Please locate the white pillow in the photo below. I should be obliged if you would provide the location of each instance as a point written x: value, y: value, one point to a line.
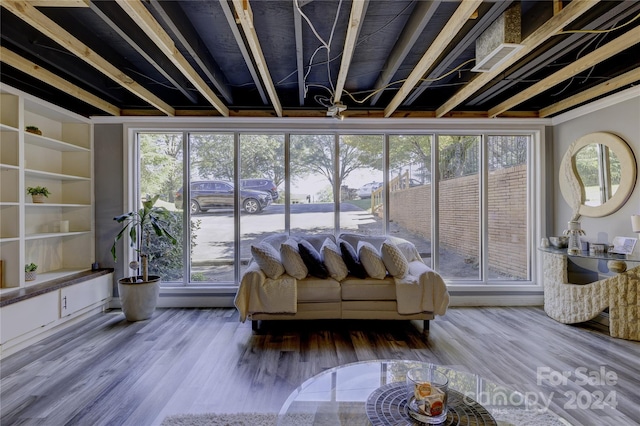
x: 371, y: 260
x: 291, y: 259
x: 394, y: 260
x: 332, y: 257
x: 268, y: 259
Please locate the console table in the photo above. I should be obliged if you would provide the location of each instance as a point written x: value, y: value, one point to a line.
x: 573, y: 303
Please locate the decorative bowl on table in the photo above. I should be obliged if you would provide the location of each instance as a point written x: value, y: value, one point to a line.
x: 559, y: 242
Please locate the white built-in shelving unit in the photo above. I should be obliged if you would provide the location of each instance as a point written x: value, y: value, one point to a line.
x: 60, y: 159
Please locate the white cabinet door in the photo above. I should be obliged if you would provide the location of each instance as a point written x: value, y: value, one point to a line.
x: 79, y: 296
x: 22, y: 317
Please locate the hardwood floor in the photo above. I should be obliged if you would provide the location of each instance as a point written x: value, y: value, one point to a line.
x: 107, y: 371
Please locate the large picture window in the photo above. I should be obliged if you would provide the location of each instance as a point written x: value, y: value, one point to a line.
x: 462, y: 199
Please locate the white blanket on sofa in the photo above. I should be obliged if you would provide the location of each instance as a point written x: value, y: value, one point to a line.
x: 258, y: 293
x: 423, y: 290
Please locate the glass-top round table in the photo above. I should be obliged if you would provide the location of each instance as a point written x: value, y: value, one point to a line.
x: 372, y: 393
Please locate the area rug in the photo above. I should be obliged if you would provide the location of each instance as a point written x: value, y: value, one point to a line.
x: 213, y: 419
x: 507, y: 417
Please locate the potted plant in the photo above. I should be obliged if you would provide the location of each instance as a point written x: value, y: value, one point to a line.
x: 33, y: 129
x: 30, y: 271
x: 38, y: 193
x: 139, y: 294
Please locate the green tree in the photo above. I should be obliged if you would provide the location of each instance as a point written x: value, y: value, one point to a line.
x: 160, y: 164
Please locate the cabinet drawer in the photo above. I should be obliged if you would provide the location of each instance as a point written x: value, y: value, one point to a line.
x: 22, y: 317
x: 77, y: 297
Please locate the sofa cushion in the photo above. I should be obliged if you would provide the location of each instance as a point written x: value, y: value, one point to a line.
x: 350, y: 257
x: 371, y: 260
x: 394, y: 260
x: 291, y: 259
x: 332, y: 257
x: 312, y: 259
x: 268, y: 258
x: 312, y: 289
x: 368, y: 289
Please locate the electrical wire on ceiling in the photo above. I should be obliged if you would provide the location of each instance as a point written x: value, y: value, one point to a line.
x: 599, y: 31
x: 324, y: 44
x: 374, y: 92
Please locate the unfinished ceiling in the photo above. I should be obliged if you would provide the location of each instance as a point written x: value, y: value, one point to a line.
x: 365, y: 58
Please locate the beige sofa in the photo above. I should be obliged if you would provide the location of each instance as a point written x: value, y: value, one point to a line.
x: 420, y: 295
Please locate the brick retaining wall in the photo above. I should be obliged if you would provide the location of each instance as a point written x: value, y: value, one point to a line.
x: 459, y: 217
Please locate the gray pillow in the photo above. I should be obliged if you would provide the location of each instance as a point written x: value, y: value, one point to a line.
x: 371, y: 260
x: 394, y: 260
x: 332, y: 257
x: 291, y: 259
x: 268, y: 259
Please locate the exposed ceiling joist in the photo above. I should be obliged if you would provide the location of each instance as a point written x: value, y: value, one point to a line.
x: 446, y: 63
x: 356, y: 18
x: 603, y: 53
x: 174, y: 18
x: 233, y: 26
x: 608, y: 86
x: 16, y: 61
x: 42, y: 23
x: 546, y: 31
x: 60, y: 3
x: 420, y: 17
x: 297, y: 28
x: 143, y: 46
x: 139, y: 13
x: 245, y: 16
x: 546, y: 58
x: 459, y: 18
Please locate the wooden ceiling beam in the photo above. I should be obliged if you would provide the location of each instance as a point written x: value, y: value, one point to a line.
x: 139, y: 13
x: 297, y: 28
x: 178, y: 23
x: 418, y: 20
x: 34, y: 70
x: 599, y: 55
x: 245, y: 17
x: 60, y: 3
x: 459, y: 18
x: 574, y: 41
x: 592, y: 93
x: 127, y: 29
x: 231, y: 20
x: 547, y: 30
x: 446, y: 64
x: 49, y: 28
x: 356, y: 18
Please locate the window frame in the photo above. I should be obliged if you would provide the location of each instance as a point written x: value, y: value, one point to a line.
x: 536, y: 173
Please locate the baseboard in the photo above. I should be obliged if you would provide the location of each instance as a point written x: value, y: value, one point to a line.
x: 496, y: 300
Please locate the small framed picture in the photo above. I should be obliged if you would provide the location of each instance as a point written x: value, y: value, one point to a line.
x: 623, y: 245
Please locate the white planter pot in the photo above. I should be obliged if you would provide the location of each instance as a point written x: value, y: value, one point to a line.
x: 139, y: 299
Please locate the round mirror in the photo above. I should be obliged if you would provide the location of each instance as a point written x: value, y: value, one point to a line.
x: 597, y: 174
x: 598, y: 169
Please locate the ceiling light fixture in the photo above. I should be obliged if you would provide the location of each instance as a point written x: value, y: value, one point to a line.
x: 336, y: 110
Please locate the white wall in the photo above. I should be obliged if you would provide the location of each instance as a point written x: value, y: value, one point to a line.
x: 622, y: 119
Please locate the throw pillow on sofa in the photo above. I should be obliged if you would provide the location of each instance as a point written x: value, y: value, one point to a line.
x: 371, y: 260
x: 394, y: 260
x: 332, y: 257
x: 268, y: 259
x: 312, y: 260
x: 291, y: 259
x: 350, y: 257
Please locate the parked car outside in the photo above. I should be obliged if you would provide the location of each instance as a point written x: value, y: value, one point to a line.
x: 266, y: 185
x: 365, y: 190
x: 218, y: 194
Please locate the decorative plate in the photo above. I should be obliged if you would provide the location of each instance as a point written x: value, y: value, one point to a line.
x: 387, y: 405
